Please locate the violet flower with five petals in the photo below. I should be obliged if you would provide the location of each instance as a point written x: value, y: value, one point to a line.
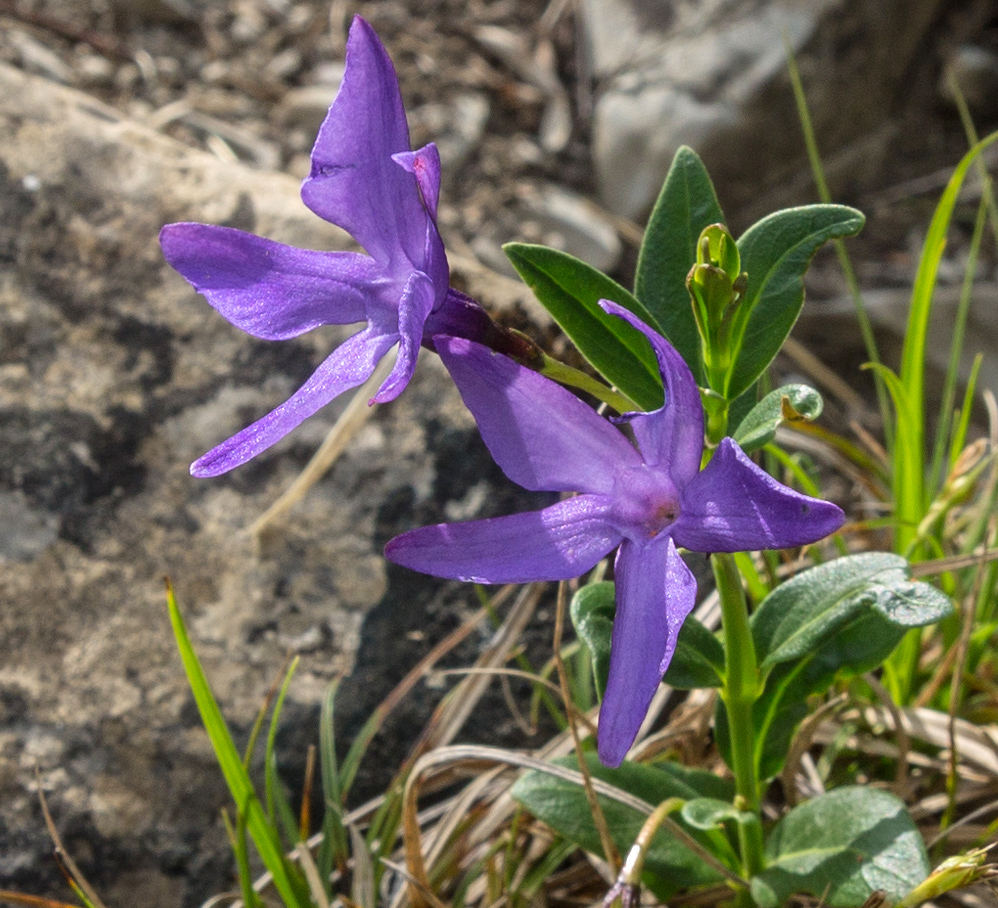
x: 365, y: 179
x: 645, y: 501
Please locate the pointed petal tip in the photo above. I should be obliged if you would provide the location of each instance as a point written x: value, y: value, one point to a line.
x: 733, y: 505
x: 209, y: 466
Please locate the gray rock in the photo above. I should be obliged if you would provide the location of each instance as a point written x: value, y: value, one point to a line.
x: 974, y: 70
x: 711, y: 75
x: 569, y: 222
x: 114, y: 375
x: 306, y: 107
x: 456, y: 126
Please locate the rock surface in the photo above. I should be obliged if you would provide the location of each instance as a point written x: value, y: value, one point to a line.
x: 114, y: 375
x: 712, y: 75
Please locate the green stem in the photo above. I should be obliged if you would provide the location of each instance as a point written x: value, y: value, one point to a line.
x: 739, y: 693
x: 574, y: 378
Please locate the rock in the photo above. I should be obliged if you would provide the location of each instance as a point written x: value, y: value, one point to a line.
x: 974, y: 70
x: 712, y: 75
x: 569, y: 222
x: 114, y: 375
x: 168, y: 12
x: 306, y: 107
x: 456, y: 126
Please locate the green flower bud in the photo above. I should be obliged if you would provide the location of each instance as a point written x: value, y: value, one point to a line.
x: 716, y: 284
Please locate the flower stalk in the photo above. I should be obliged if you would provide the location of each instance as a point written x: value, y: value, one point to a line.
x: 739, y: 693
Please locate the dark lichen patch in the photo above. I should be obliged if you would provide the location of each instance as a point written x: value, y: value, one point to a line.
x: 16, y: 203
x: 65, y: 461
x: 137, y: 338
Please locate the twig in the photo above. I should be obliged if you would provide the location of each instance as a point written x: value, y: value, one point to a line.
x: 342, y: 433
x: 962, y: 648
x: 478, y: 757
x: 801, y: 742
x: 904, y: 739
x: 606, y: 840
x: 61, y: 854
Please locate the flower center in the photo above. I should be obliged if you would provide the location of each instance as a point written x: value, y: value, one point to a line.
x: 645, y: 502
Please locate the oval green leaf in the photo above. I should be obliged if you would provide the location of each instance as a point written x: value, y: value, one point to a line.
x: 791, y: 403
x: 592, y: 611
x: 842, y: 847
x: 776, y: 252
x: 669, y: 866
x: 801, y: 614
x: 698, y: 660
x: 710, y: 813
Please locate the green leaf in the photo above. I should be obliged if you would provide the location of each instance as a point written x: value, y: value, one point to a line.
x: 592, y: 612
x: 709, y: 813
x: 860, y: 646
x: 801, y: 614
x: 686, y: 205
x: 791, y: 403
x: 908, y: 459
x: 697, y: 662
x: 776, y: 252
x: 571, y: 290
x: 842, y: 847
x: 844, y: 616
x: 669, y: 866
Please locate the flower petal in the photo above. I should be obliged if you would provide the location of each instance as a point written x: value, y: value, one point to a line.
x: 655, y: 593
x: 424, y: 165
x: 354, y: 182
x: 542, y: 435
x: 268, y: 289
x: 673, y: 434
x: 560, y: 542
x: 734, y: 506
x: 347, y: 366
x: 414, y: 307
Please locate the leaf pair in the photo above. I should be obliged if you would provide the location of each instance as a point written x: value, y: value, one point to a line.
x: 775, y: 253
x: 841, y: 847
x: 844, y: 616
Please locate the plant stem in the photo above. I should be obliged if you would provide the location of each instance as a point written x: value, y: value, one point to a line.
x: 575, y: 378
x: 739, y: 693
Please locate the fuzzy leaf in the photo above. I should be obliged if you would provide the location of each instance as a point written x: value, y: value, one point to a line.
x: 592, y: 611
x: 709, y: 813
x: 669, y: 866
x: 842, y: 847
x: 799, y: 615
x: 791, y: 403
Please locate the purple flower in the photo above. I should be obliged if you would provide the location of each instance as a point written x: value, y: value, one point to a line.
x: 365, y: 179
x: 644, y: 501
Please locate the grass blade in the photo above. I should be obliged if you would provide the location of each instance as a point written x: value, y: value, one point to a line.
x: 909, y: 450
x: 240, y: 787
x: 845, y: 263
